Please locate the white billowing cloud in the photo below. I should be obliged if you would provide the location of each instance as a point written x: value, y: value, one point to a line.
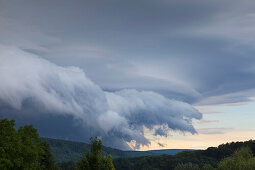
x: 150, y: 109
x: 28, y: 81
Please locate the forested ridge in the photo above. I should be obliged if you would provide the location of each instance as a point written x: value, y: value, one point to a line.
x: 65, y: 150
x: 23, y: 149
x: 211, y: 156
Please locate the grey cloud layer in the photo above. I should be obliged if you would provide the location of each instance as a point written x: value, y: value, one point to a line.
x: 35, y: 90
x: 194, y: 49
x: 167, y: 51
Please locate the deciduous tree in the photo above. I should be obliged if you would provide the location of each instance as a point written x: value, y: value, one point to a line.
x: 94, y: 159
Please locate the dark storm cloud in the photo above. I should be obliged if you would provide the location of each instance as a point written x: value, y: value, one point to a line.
x: 198, y: 52
x: 189, y: 50
x: 34, y: 90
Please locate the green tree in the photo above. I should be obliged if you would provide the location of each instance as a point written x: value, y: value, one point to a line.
x: 23, y: 149
x: 31, y: 148
x: 47, y: 160
x: 70, y: 165
x: 207, y: 167
x: 240, y: 160
x: 9, y: 145
x: 94, y: 160
x: 187, y: 166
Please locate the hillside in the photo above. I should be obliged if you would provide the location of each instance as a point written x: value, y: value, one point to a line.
x: 211, y: 156
x: 149, y: 160
x: 65, y: 150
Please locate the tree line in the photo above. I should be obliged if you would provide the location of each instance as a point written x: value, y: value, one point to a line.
x: 23, y: 149
x: 229, y: 156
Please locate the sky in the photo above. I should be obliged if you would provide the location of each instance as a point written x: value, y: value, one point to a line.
x: 142, y: 74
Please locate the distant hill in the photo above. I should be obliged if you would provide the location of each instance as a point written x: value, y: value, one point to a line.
x: 65, y: 150
x: 211, y: 156
x: 166, y: 159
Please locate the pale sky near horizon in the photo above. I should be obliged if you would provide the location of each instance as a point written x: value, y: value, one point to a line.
x: 220, y: 124
x: 163, y: 73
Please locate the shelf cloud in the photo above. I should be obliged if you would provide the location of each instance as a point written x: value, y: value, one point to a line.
x: 35, y: 90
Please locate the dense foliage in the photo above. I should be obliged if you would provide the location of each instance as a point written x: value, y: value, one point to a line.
x: 94, y: 160
x: 69, y: 165
x: 23, y: 148
x: 240, y: 160
x: 204, y: 159
x: 187, y: 166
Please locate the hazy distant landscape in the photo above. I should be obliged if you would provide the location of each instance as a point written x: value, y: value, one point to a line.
x: 65, y: 150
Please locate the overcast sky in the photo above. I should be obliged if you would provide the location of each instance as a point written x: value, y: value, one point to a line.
x: 199, y: 53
